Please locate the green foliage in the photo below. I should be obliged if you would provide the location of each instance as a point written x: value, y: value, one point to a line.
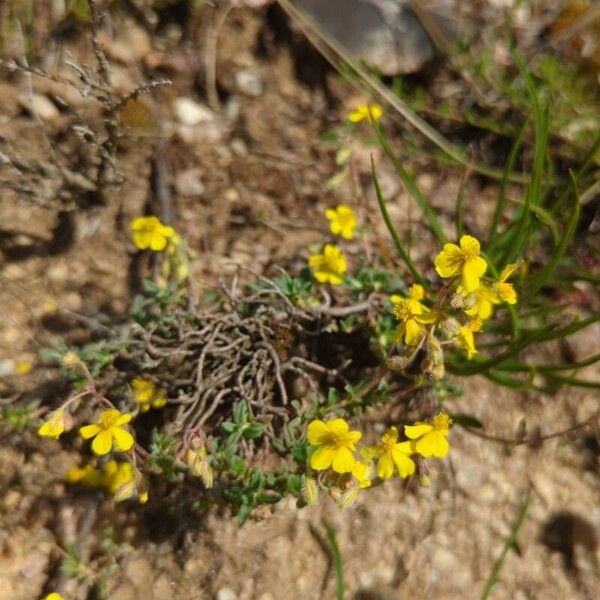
x: 19, y: 417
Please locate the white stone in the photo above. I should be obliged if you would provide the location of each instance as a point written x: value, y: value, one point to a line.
x: 189, y: 112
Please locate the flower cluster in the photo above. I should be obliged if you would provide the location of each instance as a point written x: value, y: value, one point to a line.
x: 147, y: 394
x: 330, y: 265
x: 149, y: 233
x: 462, y: 306
x: 335, y: 450
x: 364, y: 111
x: 119, y: 479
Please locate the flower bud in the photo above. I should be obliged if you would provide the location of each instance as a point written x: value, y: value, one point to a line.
x: 310, y: 490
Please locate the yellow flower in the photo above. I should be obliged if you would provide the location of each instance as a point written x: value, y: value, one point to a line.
x: 361, y: 112
x: 466, y: 337
x: 430, y: 437
x: 393, y: 456
x: 109, y: 432
x: 342, y: 221
x: 23, y: 367
x: 54, y: 596
x: 147, y: 395
x: 149, y: 232
x: 54, y: 426
x: 412, y: 314
x: 117, y: 476
x: 482, y: 301
x: 360, y: 472
x: 330, y: 266
x: 87, y: 476
x: 506, y: 291
x: 464, y: 261
x: 335, y: 442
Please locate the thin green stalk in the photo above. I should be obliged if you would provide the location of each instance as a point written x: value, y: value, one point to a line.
x: 411, y: 186
x: 537, y: 280
x: 501, y: 202
x: 336, y: 557
x: 393, y: 232
x: 508, y: 545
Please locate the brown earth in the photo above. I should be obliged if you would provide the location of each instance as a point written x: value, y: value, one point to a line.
x: 249, y: 188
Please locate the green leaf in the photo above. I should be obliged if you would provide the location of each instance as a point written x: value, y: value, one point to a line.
x: 465, y: 420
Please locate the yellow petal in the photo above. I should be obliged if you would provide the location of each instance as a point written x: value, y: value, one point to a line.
x: 337, y: 426
x: 123, y: 439
x: 141, y: 239
x: 507, y: 271
x: 470, y: 245
x: 473, y: 270
x: 123, y: 419
x: 404, y: 464
x: 448, y: 261
x: 433, y: 444
x: 322, y: 458
x: 158, y: 242
x: 88, y: 431
x: 507, y: 292
x: 353, y: 437
x: 412, y: 332
x: 416, y: 431
x: 317, y: 430
x: 416, y: 292
x: 343, y: 461
x: 102, y: 443
x: 385, y: 466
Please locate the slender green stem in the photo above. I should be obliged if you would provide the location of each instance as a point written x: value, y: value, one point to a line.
x: 508, y: 545
x: 393, y: 232
x: 336, y: 557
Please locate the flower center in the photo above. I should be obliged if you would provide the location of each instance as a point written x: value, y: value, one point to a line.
x: 441, y: 422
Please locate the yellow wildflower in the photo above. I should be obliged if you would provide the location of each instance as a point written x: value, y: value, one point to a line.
x: 393, y: 456
x: 147, y: 395
x: 430, y: 438
x: 335, y: 442
x: 412, y: 314
x: 506, y: 291
x: 149, y: 232
x: 330, y: 266
x: 118, y: 477
x: 87, y: 476
x: 361, y: 112
x: 54, y: 426
x: 464, y: 261
x: 360, y: 472
x: 23, y: 367
x: 342, y: 221
x: 466, y: 337
x: 109, y: 432
x: 53, y: 596
x: 481, y: 302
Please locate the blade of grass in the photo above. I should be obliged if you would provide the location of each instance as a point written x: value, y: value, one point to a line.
x: 523, y: 367
x: 501, y: 202
x: 537, y: 280
x: 528, y: 337
x: 508, y: 545
x: 393, y: 232
x: 588, y: 160
x: 336, y: 557
x: 411, y: 185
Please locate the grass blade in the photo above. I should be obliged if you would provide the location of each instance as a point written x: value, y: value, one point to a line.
x: 336, y: 557
x: 393, y: 232
x: 537, y: 280
x: 508, y: 545
x: 501, y: 202
x: 411, y: 186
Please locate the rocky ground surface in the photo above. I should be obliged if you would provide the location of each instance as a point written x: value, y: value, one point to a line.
x: 248, y: 174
